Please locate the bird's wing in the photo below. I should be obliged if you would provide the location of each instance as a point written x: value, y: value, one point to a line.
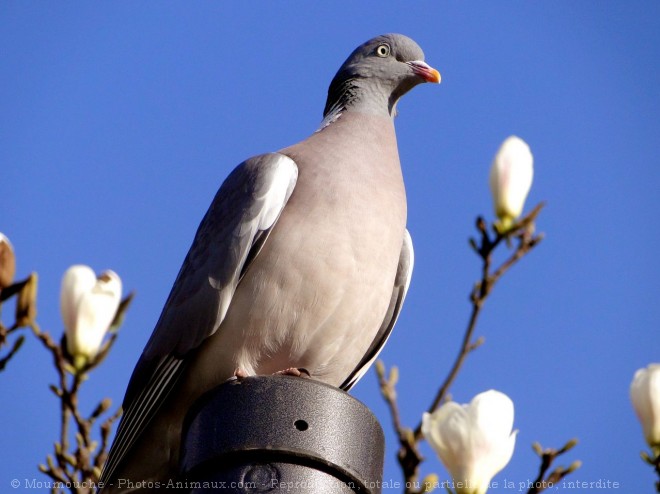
x: 234, y: 229
x: 399, y: 291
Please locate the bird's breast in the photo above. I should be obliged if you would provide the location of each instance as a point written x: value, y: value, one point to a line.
x: 318, y: 291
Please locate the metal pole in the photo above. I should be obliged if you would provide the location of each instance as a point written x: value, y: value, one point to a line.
x: 281, y: 434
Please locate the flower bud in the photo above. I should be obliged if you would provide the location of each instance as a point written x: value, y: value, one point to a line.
x: 7, y: 262
x: 645, y: 396
x: 510, y: 180
x: 26, y: 304
x: 473, y: 441
x: 89, y: 304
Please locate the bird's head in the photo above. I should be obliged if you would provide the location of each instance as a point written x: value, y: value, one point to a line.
x: 378, y: 73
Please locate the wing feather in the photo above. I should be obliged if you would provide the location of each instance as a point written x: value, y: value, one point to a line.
x: 232, y: 232
x: 399, y: 291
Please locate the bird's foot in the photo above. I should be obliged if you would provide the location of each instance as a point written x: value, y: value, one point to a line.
x: 238, y: 374
x: 291, y: 371
x: 294, y: 371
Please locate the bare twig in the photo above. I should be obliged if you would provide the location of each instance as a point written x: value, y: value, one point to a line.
x: 522, y: 231
x: 77, y: 459
x: 77, y: 465
x: 653, y: 460
x: 548, y: 456
x: 106, y: 429
x: 17, y: 290
x: 408, y: 455
x: 15, y: 348
x: 388, y: 390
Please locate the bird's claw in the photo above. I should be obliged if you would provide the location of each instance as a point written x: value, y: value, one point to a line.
x: 238, y: 374
x: 294, y: 371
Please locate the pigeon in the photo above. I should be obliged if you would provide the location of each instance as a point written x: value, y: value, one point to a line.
x: 300, y: 265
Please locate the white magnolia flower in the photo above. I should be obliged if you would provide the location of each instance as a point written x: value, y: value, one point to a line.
x: 473, y: 441
x: 88, y: 305
x: 510, y: 179
x: 645, y: 396
x: 7, y: 262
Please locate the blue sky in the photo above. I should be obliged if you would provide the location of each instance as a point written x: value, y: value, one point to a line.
x: 120, y: 120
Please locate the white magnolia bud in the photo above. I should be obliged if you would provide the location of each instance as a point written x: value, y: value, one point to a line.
x: 510, y: 179
x: 645, y: 396
x: 88, y: 305
x: 473, y: 441
x: 7, y: 262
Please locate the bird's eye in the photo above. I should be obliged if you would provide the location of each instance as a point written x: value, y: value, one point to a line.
x: 383, y: 50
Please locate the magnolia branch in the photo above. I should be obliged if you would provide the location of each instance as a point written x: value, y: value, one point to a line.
x: 25, y: 293
x: 522, y: 233
x: 16, y: 346
x: 548, y: 456
x: 408, y: 455
x: 84, y: 461
x: 76, y: 464
x: 653, y: 460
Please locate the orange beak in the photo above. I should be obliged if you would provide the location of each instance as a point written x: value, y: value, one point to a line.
x: 425, y: 71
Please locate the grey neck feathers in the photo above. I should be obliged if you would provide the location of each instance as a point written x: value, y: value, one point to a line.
x: 352, y: 94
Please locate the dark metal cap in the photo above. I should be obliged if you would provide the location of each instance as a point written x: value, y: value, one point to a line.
x: 281, y: 434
